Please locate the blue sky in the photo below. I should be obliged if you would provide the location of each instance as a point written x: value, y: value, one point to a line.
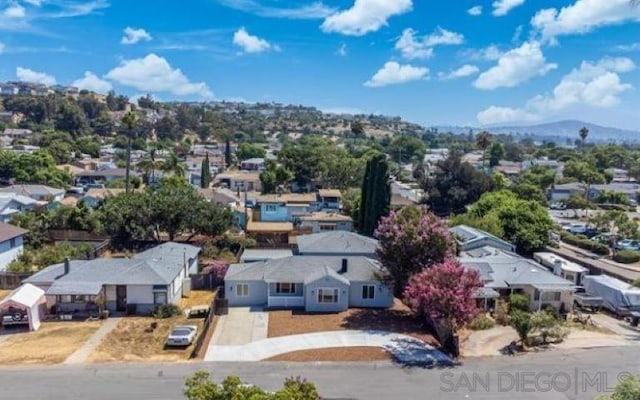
x: 477, y: 62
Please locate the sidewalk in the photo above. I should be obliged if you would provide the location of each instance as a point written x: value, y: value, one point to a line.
x: 405, y: 349
x: 81, y: 355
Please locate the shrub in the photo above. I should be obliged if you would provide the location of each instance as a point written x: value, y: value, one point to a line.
x: 482, y: 322
x: 521, y: 322
x: 519, y: 302
x: 627, y: 256
x: 502, y: 312
x: 583, y: 243
x: 166, y: 311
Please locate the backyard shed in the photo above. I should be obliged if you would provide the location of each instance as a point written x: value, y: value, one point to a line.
x: 23, y: 306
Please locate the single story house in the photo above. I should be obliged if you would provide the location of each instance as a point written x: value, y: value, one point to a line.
x: 11, y: 244
x: 239, y: 180
x: 315, y: 284
x: 630, y: 190
x: 253, y: 164
x: 565, y: 191
x: 15, y: 133
x: 138, y: 284
x: 36, y: 192
x: 470, y: 238
x: 329, y: 199
x: 504, y: 273
x: 11, y: 204
x: 93, y: 197
x: 335, y: 243
x: 105, y: 175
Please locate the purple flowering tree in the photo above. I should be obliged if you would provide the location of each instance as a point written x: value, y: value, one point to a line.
x: 411, y: 240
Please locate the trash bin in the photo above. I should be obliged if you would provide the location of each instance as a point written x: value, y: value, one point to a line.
x: 634, y: 321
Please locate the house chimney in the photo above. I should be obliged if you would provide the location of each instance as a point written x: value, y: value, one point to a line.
x: 66, y: 266
x: 344, y: 268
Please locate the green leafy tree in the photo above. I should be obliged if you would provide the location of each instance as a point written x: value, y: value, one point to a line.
x: 524, y: 223
x: 228, y: 159
x: 172, y: 164
x: 496, y: 153
x: 405, y: 148
x: 483, y: 141
x: 375, y: 196
x: 246, y: 151
x: 201, y: 387
x: 628, y: 388
x: 274, y: 178
x: 129, y: 120
x: 584, y: 172
x: 521, y: 322
x: 584, y: 133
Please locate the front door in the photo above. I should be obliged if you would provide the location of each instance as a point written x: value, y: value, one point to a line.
x: 121, y: 298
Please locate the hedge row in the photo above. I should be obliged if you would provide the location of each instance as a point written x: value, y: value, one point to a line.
x: 583, y: 243
x: 627, y: 256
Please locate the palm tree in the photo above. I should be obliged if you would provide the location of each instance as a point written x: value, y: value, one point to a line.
x: 173, y: 165
x: 483, y: 140
x: 150, y: 165
x: 130, y: 120
x: 584, y: 132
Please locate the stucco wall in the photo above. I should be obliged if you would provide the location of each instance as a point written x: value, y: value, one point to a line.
x: 383, y: 298
x: 8, y: 254
x: 257, y: 293
x: 311, y: 295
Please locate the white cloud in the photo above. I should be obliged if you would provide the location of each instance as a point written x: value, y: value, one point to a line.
x: 250, y: 43
x: 14, y: 11
x: 462, y: 72
x: 502, y: 7
x: 593, y: 84
x: 154, y: 74
x: 393, y: 73
x: 414, y: 47
x: 489, y: 53
x: 133, y: 36
x: 35, y: 3
x: 315, y: 10
x: 92, y: 82
x: 501, y: 115
x: 342, y: 50
x: 628, y: 48
x: 515, y: 67
x: 2, y: 46
x: 475, y: 11
x: 77, y: 9
x: 365, y: 16
x: 28, y: 75
x: 583, y: 16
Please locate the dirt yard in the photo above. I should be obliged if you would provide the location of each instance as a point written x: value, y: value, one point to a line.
x: 134, y: 340
x: 4, y: 293
x: 342, y: 354
x: 51, y: 344
x: 397, y: 319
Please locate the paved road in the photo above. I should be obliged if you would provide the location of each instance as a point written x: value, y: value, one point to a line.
x: 567, y: 369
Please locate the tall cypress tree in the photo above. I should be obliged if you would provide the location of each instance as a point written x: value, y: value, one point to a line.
x: 205, y: 173
x: 227, y: 153
x: 375, y: 194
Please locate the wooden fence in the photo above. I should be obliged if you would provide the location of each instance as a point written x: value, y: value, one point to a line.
x: 10, y: 281
x: 219, y: 306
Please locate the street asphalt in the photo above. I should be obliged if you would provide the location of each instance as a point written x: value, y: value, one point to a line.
x: 553, y: 374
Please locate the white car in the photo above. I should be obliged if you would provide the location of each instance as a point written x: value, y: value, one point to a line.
x: 182, y: 335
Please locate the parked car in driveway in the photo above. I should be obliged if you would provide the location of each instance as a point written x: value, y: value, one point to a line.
x: 182, y: 335
x: 628, y: 244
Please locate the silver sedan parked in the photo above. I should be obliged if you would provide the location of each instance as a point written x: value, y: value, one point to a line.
x: 182, y: 335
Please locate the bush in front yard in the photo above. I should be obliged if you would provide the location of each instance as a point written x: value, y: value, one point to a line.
x: 627, y: 256
x: 519, y: 302
x: 167, y: 311
x: 584, y: 243
x: 482, y: 322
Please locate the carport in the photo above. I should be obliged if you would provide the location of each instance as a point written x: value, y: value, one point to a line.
x: 23, y: 307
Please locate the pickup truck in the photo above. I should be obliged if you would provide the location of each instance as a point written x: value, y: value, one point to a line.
x: 586, y: 300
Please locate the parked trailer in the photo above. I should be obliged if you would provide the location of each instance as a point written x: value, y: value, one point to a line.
x: 586, y: 300
x: 563, y: 268
x: 618, y: 297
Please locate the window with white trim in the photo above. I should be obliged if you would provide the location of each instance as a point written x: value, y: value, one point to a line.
x: 551, y: 296
x: 368, y: 292
x: 159, y: 298
x: 285, y: 288
x: 242, y: 290
x: 326, y: 295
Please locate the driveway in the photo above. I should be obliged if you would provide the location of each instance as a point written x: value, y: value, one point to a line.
x: 406, y: 349
x: 240, y: 326
x: 618, y: 326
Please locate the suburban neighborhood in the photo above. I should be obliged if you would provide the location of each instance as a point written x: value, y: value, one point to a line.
x: 337, y: 199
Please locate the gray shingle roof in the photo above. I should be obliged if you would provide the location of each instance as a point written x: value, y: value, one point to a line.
x: 32, y: 190
x: 157, y: 266
x: 336, y: 242
x: 301, y: 268
x: 468, y: 235
x: 505, y: 269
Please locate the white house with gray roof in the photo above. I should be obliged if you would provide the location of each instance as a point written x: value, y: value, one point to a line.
x: 504, y: 273
x: 145, y: 281
x: 36, y: 192
x: 312, y: 283
x: 12, y: 204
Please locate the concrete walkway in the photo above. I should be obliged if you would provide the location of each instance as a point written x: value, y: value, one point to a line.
x: 80, y: 356
x: 406, y: 349
x: 489, y: 342
x: 241, y: 326
x: 618, y: 326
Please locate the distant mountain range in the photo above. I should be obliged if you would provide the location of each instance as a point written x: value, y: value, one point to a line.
x: 561, y: 130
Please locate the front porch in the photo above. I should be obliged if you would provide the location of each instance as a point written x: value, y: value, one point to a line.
x: 285, y: 295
